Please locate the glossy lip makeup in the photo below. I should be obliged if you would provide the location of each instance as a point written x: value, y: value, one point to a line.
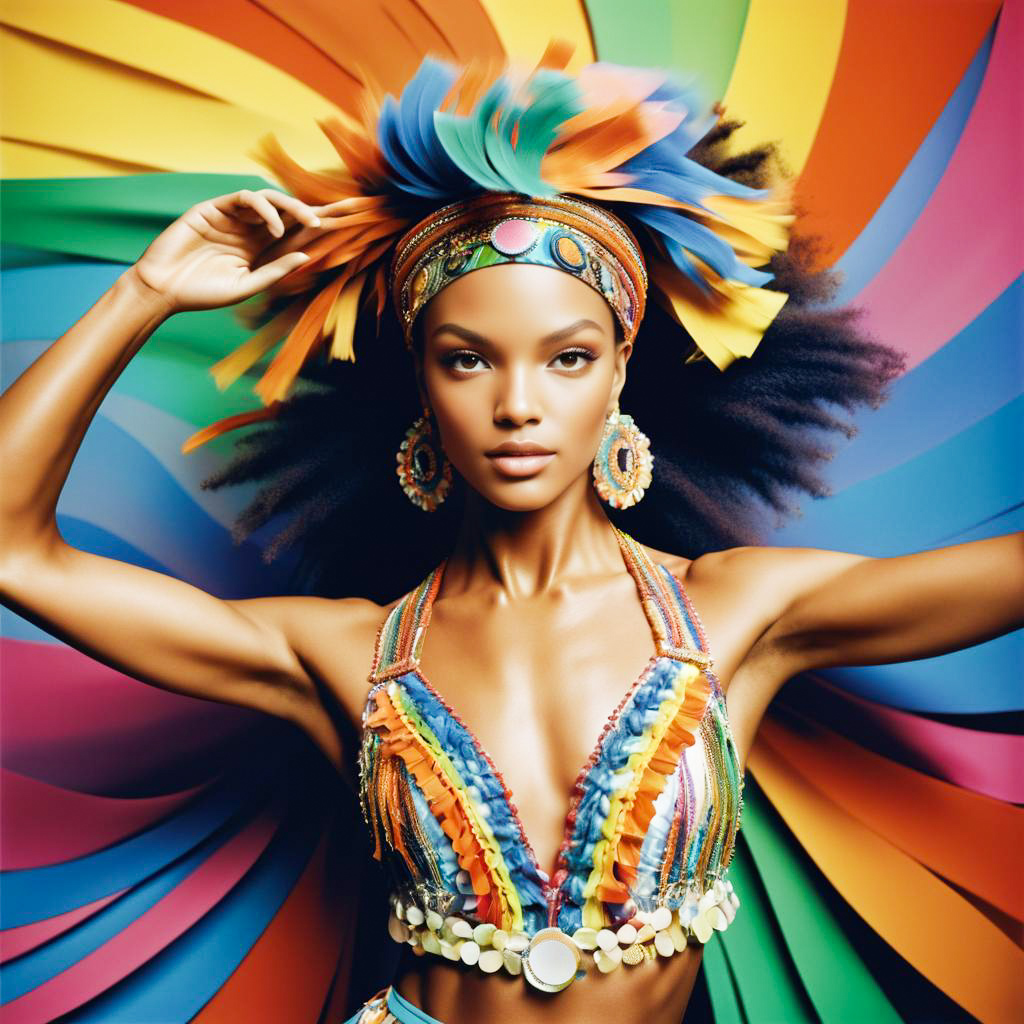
x: 520, y: 459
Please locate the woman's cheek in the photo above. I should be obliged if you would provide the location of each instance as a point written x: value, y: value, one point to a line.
x: 459, y: 425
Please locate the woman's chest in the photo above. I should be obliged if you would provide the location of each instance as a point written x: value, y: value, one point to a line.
x: 647, y: 826
x: 537, y: 683
x: 535, y: 689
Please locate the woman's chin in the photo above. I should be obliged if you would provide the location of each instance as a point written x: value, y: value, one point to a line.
x: 519, y: 496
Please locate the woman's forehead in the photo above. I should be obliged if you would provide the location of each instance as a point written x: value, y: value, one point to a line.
x: 535, y: 300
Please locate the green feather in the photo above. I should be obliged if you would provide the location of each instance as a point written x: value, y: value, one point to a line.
x: 485, y: 152
x: 463, y: 137
x: 554, y: 99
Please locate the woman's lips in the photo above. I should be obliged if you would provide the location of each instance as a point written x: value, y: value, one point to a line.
x: 520, y: 465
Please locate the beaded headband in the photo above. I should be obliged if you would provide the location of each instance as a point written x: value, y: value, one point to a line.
x: 566, y: 234
x: 609, y: 139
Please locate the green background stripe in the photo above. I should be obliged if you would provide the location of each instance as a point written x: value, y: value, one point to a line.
x: 688, y: 35
x: 838, y: 982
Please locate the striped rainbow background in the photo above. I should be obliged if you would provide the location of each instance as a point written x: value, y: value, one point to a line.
x: 167, y: 859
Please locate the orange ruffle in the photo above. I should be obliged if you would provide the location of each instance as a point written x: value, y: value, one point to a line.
x: 399, y: 739
x: 623, y: 854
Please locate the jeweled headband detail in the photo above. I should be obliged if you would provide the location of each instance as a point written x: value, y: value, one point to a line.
x: 566, y: 234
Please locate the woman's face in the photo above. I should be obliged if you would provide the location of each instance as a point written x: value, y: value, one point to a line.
x: 519, y: 353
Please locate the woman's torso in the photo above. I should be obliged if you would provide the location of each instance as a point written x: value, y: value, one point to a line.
x: 550, y: 691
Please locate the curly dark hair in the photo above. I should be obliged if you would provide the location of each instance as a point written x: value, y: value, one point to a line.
x: 731, y: 449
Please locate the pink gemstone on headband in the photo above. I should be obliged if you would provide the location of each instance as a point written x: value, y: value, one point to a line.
x: 514, y: 237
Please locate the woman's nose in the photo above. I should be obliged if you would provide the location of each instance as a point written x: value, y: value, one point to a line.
x: 518, y: 399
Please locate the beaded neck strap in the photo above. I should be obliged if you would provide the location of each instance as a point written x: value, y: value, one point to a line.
x: 673, y: 620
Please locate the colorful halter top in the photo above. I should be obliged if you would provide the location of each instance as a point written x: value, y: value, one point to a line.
x: 650, y: 828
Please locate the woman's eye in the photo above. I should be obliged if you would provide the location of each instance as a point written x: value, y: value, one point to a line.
x: 571, y: 359
x: 463, y: 361
x: 574, y: 358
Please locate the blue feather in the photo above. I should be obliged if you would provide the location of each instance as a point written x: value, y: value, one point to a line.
x: 444, y: 156
x: 680, y: 233
x: 407, y: 138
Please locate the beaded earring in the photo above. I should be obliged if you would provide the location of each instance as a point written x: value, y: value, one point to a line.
x: 622, y: 466
x: 423, y: 468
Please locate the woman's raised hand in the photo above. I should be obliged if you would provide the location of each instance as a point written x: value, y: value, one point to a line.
x: 225, y: 249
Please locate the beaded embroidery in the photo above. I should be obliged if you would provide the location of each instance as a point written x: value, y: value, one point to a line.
x: 488, y: 229
x: 649, y: 831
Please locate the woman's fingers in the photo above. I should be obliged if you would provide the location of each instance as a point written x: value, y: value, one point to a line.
x: 302, y: 212
x: 267, y: 204
x: 262, y: 206
x: 271, y: 273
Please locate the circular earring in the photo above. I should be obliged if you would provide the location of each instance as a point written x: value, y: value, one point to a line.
x: 622, y: 466
x: 423, y: 468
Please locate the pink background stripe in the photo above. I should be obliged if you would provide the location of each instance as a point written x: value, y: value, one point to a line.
x: 72, y: 721
x: 15, y: 941
x: 150, y: 933
x: 42, y: 824
x: 990, y: 763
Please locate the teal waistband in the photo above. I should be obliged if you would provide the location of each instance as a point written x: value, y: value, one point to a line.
x: 406, y: 1012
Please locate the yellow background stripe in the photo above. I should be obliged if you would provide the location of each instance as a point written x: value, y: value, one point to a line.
x: 784, y: 69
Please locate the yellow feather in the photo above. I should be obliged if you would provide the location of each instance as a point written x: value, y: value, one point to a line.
x: 728, y: 325
x: 234, y: 364
x: 341, y: 321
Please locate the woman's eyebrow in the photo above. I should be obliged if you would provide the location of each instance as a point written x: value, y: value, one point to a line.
x: 564, y: 332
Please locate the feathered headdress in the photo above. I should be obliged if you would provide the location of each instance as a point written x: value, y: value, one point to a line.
x: 615, y: 136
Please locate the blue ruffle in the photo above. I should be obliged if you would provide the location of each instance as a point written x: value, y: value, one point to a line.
x: 609, y: 774
x: 441, y: 846
x: 460, y: 746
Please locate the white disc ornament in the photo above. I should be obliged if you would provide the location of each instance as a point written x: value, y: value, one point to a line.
x: 551, y: 961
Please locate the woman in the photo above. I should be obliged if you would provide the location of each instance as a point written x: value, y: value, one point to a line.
x: 581, y: 633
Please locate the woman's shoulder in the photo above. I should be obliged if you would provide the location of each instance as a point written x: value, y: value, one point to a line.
x: 683, y: 567
x: 335, y: 638
x: 678, y: 565
x: 740, y: 569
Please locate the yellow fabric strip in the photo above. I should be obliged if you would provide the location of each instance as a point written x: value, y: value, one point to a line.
x: 179, y: 53
x: 526, y: 27
x: 755, y: 230
x: 732, y: 328
x: 72, y: 100
x: 784, y: 70
x: 341, y: 321
x: 929, y: 924
x: 27, y: 160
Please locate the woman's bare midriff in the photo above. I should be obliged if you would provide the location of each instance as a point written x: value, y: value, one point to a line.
x: 655, y: 992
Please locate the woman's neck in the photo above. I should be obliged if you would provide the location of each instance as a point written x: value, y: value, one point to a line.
x: 527, y: 554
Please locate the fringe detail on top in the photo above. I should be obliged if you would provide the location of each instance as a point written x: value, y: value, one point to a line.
x: 616, y: 858
x: 403, y: 735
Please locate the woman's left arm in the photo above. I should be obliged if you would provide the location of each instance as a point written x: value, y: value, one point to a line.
x: 845, y: 609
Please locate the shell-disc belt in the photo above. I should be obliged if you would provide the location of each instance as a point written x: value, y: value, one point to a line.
x: 551, y: 959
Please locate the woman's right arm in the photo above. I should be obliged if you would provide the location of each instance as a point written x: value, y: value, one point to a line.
x: 152, y: 626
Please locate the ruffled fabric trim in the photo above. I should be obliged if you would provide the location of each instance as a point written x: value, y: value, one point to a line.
x: 422, y: 755
x: 617, y: 800
x: 589, y: 802
x: 674, y: 730
x: 488, y: 789
x: 727, y: 790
